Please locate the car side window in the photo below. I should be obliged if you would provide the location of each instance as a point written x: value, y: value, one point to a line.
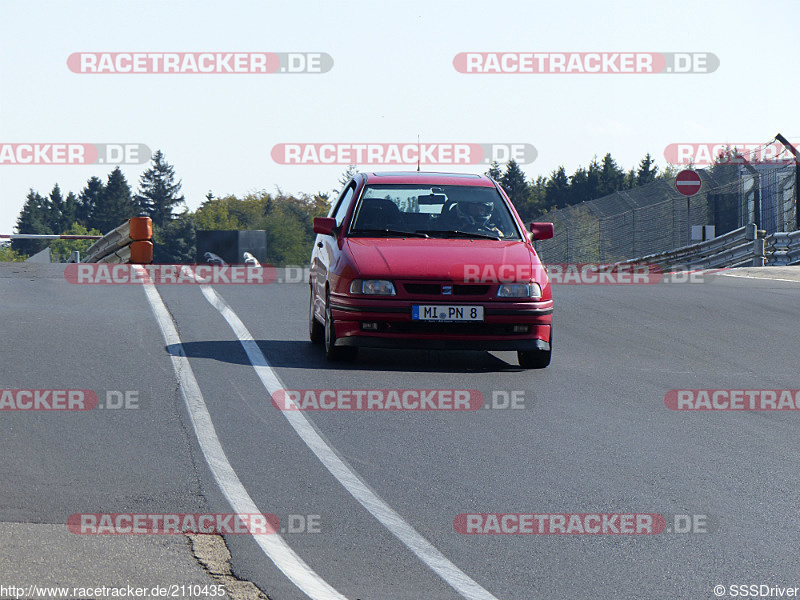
x: 344, y: 204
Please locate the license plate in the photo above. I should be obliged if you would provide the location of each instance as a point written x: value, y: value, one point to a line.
x: 445, y: 313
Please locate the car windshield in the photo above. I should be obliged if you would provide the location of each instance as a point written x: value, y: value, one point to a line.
x: 444, y: 211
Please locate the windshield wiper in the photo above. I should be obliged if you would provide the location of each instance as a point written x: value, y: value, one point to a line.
x: 389, y: 232
x: 466, y: 234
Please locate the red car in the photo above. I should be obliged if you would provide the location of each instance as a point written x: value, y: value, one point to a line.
x: 428, y: 260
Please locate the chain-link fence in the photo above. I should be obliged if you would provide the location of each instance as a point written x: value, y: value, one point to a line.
x: 656, y: 218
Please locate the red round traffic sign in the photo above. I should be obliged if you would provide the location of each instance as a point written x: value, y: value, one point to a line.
x: 687, y: 182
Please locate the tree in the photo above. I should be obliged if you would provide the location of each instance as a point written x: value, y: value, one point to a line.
x: 287, y: 220
x: 494, y: 171
x: 116, y: 205
x: 9, y: 255
x: 88, y: 201
x: 536, y: 199
x: 174, y: 242
x: 158, y: 192
x: 578, y: 184
x: 33, y: 218
x: 61, y: 250
x: 630, y: 179
x: 345, y: 178
x: 647, y: 171
x: 250, y: 210
x: 612, y: 177
x: 319, y: 204
x: 288, y: 240
x: 587, y: 186
x: 70, y: 214
x: 556, y: 190
x: 214, y: 214
x: 54, y: 218
x: 669, y: 172
x: 514, y: 184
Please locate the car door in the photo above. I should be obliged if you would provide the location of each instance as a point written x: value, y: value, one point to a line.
x: 327, y: 248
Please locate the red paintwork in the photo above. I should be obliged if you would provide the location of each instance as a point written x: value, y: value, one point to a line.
x: 337, y: 260
x: 542, y: 231
x: 415, y: 258
x: 324, y: 225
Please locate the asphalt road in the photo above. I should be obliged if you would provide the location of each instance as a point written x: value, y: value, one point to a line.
x: 594, y: 436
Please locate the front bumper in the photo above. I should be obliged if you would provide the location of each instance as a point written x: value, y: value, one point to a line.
x: 370, y: 341
x: 507, y: 325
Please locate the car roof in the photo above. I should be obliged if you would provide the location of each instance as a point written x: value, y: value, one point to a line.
x: 424, y: 178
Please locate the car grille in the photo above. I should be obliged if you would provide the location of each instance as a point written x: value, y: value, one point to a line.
x: 435, y: 289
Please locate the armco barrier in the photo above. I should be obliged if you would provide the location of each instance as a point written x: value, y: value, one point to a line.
x: 783, y: 248
x: 741, y: 247
x: 131, y: 242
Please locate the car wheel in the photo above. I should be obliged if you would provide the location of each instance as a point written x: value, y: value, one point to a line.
x: 316, y: 332
x: 332, y: 351
x: 535, y: 359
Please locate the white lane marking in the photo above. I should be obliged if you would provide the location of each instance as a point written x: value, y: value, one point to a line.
x: 767, y: 278
x: 274, y: 546
x: 351, y: 481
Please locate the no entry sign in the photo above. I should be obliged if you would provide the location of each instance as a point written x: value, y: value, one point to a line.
x: 688, y: 182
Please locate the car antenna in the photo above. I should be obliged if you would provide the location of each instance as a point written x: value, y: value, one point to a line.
x: 417, y: 153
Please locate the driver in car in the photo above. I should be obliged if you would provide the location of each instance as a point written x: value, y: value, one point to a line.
x: 476, y: 217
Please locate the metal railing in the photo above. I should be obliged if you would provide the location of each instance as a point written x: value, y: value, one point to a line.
x: 128, y: 243
x: 741, y: 247
x: 783, y: 248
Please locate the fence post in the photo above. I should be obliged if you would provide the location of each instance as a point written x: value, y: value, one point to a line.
x: 796, y: 154
x: 759, y: 255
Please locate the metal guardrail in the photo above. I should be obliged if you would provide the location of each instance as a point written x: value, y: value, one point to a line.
x: 741, y: 247
x: 783, y: 248
x: 128, y: 243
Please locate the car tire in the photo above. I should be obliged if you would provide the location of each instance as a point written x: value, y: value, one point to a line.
x: 535, y: 359
x: 332, y: 351
x: 316, y: 331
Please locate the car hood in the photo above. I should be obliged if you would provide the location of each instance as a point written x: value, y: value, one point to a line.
x: 439, y: 259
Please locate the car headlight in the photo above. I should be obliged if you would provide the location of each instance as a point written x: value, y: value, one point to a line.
x: 372, y: 287
x: 520, y: 290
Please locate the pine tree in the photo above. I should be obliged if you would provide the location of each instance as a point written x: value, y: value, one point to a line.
x: 630, y: 179
x: 593, y: 179
x: 578, y: 187
x: 668, y: 173
x: 647, y: 172
x: 33, y: 218
x: 494, y: 171
x: 69, y: 213
x: 345, y: 178
x: 536, y: 199
x: 88, y: 201
x: 115, y: 205
x: 175, y: 241
x: 612, y: 177
x: 56, y: 212
x: 556, y: 190
x: 158, y: 192
x: 514, y: 184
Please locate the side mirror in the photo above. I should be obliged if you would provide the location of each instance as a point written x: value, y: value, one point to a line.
x: 324, y: 225
x: 542, y: 231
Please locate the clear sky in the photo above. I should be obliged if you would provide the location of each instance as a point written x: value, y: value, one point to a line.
x: 392, y: 79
